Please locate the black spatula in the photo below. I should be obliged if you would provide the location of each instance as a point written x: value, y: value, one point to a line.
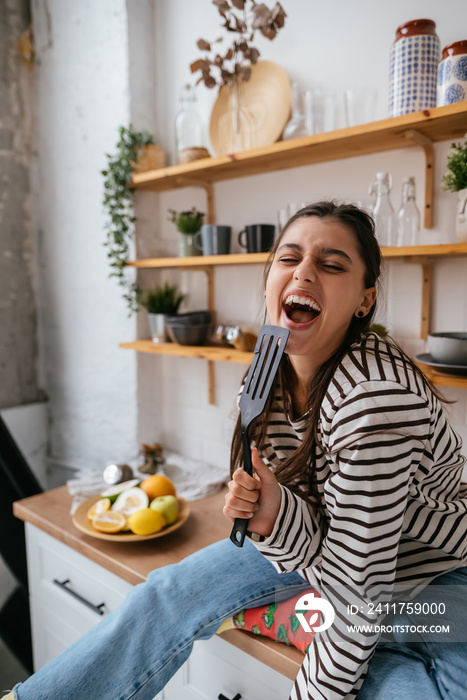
x: 268, y: 353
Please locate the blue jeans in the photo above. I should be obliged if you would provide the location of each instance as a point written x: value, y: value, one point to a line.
x: 132, y: 653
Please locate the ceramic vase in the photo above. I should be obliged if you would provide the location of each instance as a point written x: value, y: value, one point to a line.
x: 186, y: 245
x: 461, y: 218
x: 237, y: 129
x: 452, y: 74
x: 157, y: 326
x: 413, y: 68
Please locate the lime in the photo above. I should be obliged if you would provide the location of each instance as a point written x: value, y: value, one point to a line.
x: 114, y: 491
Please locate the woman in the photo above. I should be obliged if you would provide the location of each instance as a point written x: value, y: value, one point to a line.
x: 363, y: 500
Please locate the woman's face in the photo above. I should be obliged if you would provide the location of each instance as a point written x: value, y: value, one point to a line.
x: 314, y: 288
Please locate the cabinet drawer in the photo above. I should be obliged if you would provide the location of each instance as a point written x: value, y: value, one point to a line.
x: 69, y: 594
x: 215, y: 666
x: 51, y: 563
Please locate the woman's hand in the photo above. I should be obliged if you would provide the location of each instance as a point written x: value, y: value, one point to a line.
x: 257, y: 498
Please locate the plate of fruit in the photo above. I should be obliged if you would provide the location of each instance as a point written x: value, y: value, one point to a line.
x: 133, y: 511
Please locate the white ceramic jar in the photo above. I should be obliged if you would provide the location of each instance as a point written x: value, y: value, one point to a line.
x: 413, y: 67
x: 452, y: 74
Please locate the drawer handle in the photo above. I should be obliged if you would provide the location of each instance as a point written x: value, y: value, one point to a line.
x: 222, y: 697
x: 63, y: 585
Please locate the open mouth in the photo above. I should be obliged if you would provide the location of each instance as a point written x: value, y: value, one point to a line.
x: 301, y: 309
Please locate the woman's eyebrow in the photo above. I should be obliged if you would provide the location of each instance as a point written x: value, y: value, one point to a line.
x: 294, y: 246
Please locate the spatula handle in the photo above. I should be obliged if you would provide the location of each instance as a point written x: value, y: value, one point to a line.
x: 237, y: 536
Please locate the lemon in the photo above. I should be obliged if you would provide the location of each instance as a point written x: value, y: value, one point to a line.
x: 146, y: 522
x: 109, y: 521
x: 99, y: 507
x: 130, y: 501
x: 167, y: 506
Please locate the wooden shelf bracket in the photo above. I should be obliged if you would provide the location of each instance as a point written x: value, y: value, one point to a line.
x: 209, y: 189
x: 419, y: 139
x: 427, y: 278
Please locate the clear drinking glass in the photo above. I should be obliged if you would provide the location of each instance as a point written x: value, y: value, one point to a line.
x: 360, y: 106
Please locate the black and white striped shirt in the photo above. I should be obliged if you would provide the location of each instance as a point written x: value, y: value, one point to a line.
x: 394, y: 513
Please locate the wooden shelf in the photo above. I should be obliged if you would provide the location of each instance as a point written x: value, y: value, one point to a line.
x: 205, y: 352
x: 437, y: 124
x: 200, y: 261
x: 442, y: 379
x: 226, y: 354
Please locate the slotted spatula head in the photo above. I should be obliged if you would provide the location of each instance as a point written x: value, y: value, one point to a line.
x: 268, y: 353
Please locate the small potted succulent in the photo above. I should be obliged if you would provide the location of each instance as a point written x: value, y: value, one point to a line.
x: 160, y: 302
x: 188, y: 224
x: 455, y: 180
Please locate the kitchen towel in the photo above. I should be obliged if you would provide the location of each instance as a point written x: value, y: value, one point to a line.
x: 192, y: 479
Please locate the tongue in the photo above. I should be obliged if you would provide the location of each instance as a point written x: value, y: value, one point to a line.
x: 301, y: 316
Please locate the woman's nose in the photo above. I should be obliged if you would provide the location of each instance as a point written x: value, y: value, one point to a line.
x: 305, y: 272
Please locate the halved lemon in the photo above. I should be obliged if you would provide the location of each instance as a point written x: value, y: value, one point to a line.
x: 99, y: 507
x: 109, y: 521
x: 130, y: 501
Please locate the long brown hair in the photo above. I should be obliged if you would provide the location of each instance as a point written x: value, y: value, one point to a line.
x: 297, y: 471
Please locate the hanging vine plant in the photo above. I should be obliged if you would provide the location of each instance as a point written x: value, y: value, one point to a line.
x: 118, y: 200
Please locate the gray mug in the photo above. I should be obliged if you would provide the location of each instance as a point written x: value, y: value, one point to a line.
x: 259, y: 237
x: 215, y: 240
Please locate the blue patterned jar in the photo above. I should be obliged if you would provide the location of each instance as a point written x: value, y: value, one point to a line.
x: 413, y: 67
x: 452, y: 74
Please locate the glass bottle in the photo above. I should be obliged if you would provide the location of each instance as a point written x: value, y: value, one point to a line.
x: 383, y: 212
x: 189, y: 128
x: 408, y: 216
x: 296, y: 127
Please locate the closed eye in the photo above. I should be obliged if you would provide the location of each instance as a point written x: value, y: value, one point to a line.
x: 288, y: 259
x: 330, y: 266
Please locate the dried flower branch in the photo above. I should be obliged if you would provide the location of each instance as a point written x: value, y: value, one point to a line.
x: 240, y: 55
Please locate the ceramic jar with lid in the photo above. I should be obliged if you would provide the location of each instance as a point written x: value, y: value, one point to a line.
x: 452, y: 74
x: 413, y: 67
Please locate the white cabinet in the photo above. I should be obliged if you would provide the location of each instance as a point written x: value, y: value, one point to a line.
x: 217, y: 667
x: 69, y: 594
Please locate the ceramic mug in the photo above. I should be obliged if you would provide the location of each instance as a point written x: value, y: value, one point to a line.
x: 215, y: 240
x: 259, y: 237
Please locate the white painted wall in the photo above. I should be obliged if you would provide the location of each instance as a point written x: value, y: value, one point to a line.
x: 83, y: 83
x: 336, y: 44
x: 102, y: 64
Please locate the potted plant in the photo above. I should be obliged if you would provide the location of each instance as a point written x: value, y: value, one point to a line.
x: 160, y: 302
x: 188, y: 223
x: 135, y: 151
x: 455, y: 180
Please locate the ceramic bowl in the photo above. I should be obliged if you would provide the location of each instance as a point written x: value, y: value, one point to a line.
x: 185, y: 334
x: 448, y: 348
x: 191, y: 318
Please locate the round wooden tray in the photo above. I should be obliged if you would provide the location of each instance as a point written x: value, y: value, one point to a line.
x: 267, y: 95
x: 82, y: 522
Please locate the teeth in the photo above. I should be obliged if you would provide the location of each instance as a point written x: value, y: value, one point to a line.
x: 305, y: 301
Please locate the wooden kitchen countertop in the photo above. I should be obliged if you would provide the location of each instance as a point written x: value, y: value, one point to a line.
x: 50, y: 512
